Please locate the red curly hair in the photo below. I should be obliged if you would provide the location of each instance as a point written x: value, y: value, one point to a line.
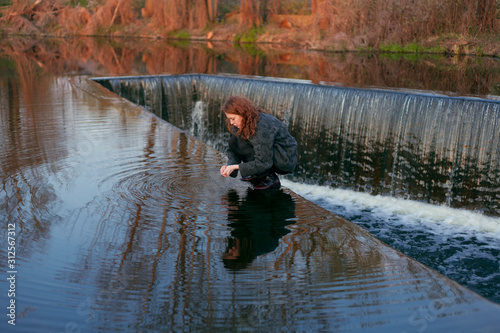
x: 243, y: 107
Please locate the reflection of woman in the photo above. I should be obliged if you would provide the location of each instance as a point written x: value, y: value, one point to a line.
x: 260, y: 145
x: 258, y: 221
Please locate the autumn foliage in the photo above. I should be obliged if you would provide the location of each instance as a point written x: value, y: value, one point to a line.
x: 354, y: 23
x: 55, y: 16
x: 402, y: 21
x: 177, y: 14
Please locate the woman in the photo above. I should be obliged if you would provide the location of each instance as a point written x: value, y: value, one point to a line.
x: 259, y: 147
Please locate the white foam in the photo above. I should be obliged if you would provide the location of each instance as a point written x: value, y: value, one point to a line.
x: 440, y: 219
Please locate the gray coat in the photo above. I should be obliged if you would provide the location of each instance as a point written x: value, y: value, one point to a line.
x: 273, y: 146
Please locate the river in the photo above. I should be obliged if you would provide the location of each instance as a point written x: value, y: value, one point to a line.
x: 119, y: 221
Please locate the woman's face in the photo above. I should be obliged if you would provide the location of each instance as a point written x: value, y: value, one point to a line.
x: 235, y: 120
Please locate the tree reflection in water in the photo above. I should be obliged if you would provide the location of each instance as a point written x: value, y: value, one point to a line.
x: 258, y: 222
x: 459, y: 75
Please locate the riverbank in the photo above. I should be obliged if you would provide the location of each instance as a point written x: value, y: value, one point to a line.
x: 486, y: 45
x: 57, y: 20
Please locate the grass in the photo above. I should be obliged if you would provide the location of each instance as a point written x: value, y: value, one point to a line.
x: 74, y: 3
x: 391, y: 48
x: 179, y: 34
x: 249, y: 36
x: 415, y: 48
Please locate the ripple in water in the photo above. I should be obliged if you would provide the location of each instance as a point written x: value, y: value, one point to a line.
x: 125, y: 224
x: 460, y: 244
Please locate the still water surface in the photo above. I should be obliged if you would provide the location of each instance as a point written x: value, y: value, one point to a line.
x: 452, y: 75
x: 122, y: 223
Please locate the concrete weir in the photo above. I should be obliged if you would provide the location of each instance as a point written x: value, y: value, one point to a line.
x: 310, y: 270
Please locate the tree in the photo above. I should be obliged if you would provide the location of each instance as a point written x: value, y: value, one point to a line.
x: 253, y: 12
x: 180, y: 14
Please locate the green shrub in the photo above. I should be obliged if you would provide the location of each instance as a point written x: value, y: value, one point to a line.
x: 413, y: 48
x: 179, y: 34
x: 437, y: 49
x: 391, y: 48
x: 75, y: 3
x: 249, y: 36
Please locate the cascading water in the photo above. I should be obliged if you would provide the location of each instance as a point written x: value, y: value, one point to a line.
x: 427, y: 148
x: 419, y: 159
x: 115, y: 220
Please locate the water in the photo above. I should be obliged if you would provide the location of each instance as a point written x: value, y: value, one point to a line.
x: 419, y: 171
x: 122, y: 223
x: 424, y: 147
x: 447, y: 74
x: 460, y: 244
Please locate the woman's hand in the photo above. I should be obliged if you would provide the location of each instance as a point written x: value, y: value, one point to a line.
x: 226, y: 170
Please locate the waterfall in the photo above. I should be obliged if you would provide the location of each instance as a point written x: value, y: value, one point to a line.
x: 430, y: 148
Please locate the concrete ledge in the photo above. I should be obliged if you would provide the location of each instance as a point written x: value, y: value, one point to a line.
x: 326, y: 273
